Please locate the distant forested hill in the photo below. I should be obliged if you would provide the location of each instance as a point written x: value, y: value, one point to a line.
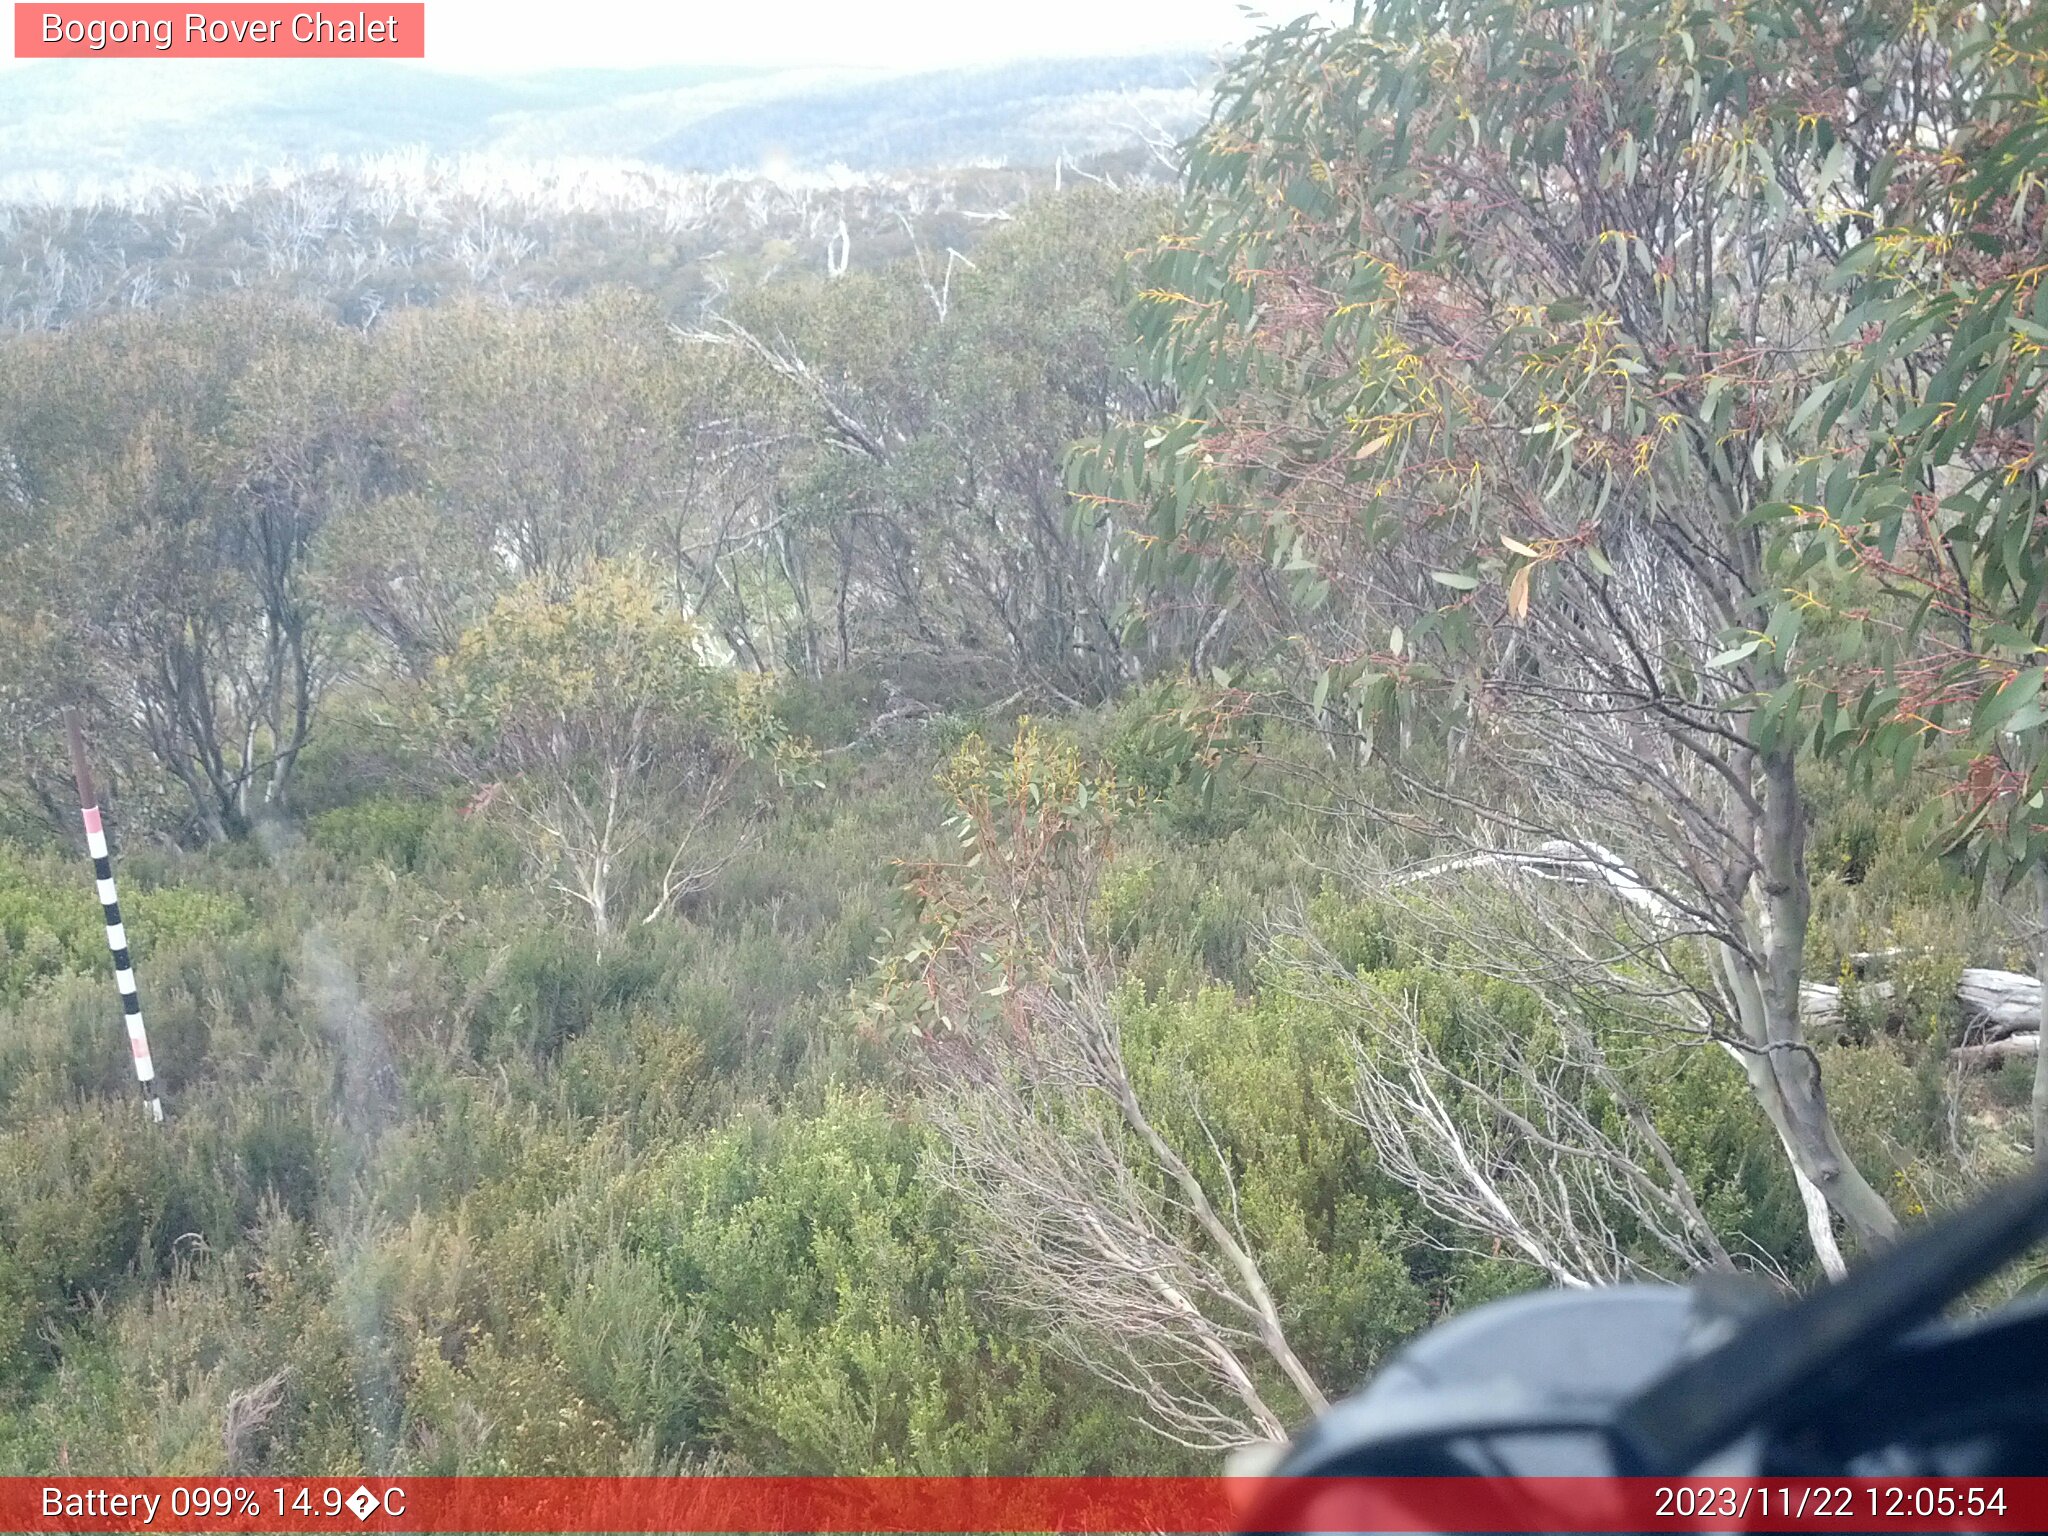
x: 1030, y: 113
x: 68, y: 125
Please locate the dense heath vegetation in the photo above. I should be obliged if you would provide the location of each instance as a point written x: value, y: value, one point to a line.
x: 901, y: 856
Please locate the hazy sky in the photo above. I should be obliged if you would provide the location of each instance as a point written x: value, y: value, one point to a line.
x: 496, y: 37
x: 515, y: 36
x: 500, y: 35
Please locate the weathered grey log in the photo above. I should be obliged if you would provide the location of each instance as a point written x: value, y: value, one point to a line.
x: 2002, y: 1010
x: 1821, y: 1004
x: 1995, y: 1003
x: 2007, y: 1002
x: 1992, y: 1052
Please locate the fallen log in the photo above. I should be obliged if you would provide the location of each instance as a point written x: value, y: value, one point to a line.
x: 1820, y: 1003
x: 1995, y: 1004
x: 1992, y: 1052
x: 2007, y: 1002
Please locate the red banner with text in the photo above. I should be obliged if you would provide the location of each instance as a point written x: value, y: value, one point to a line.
x: 219, y: 32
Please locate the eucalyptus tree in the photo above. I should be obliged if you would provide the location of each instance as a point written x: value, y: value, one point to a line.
x: 171, y: 477
x: 1495, y: 327
x: 1126, y: 1246
x: 534, y: 439
x: 1940, y: 507
x: 929, y: 405
x: 592, y: 721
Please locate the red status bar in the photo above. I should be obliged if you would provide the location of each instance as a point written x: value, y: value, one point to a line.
x: 968, y: 1504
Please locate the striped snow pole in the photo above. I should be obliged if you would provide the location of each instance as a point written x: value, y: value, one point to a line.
x: 117, y: 935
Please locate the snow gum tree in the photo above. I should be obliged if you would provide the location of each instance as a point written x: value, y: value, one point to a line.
x: 1498, y: 331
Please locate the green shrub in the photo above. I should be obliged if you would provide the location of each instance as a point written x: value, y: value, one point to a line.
x: 388, y: 830
x: 549, y: 985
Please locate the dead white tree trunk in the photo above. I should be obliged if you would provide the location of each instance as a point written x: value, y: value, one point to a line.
x: 1548, y: 1157
x: 2040, y: 1099
x: 1996, y: 1005
x: 1103, y: 1231
x: 1772, y: 1055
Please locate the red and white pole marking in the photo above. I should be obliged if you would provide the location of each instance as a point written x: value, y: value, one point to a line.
x: 117, y: 933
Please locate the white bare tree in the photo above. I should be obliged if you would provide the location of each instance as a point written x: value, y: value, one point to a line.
x: 1543, y: 1152
x: 1129, y: 1249
x: 1102, y: 1230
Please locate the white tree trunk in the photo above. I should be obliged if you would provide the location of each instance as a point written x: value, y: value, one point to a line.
x: 2040, y: 1103
x: 1820, y: 1223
